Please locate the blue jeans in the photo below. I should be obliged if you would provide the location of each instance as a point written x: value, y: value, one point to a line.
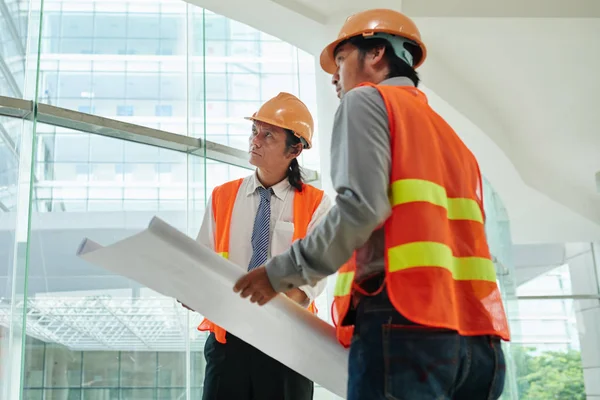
x: 393, y: 358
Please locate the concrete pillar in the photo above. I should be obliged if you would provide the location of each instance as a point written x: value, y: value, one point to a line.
x: 10, y: 363
x: 55, y: 372
x: 584, y: 267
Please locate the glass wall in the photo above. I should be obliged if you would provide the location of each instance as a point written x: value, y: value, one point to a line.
x: 69, y: 330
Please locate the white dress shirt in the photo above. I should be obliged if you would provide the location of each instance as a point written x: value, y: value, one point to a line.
x: 281, y: 228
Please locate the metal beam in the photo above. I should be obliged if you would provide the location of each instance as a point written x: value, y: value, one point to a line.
x: 75, y: 120
x: 13, y: 107
x: 79, y: 121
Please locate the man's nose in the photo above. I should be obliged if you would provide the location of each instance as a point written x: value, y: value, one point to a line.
x: 335, y: 78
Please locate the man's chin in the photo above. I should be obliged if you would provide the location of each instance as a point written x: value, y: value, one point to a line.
x: 254, y: 160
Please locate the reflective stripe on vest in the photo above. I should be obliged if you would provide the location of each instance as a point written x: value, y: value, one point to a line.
x: 343, y: 284
x: 415, y: 190
x: 223, y: 202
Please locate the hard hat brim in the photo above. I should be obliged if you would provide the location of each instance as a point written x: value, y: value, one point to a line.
x: 275, y: 123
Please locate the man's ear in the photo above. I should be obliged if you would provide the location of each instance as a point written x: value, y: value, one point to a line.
x: 377, y: 54
x: 295, y: 150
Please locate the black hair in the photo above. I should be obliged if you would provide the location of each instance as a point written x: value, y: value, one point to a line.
x: 294, y: 173
x: 398, y: 67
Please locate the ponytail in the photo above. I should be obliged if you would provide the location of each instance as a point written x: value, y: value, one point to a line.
x: 294, y: 173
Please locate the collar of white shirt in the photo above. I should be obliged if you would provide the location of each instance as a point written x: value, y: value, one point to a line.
x: 279, y: 189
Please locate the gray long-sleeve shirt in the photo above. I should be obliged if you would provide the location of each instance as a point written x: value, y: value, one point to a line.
x: 360, y: 171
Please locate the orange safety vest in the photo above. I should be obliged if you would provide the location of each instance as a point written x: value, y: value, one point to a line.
x: 438, y: 268
x: 306, y: 203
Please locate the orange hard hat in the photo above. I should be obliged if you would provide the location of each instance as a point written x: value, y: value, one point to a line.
x: 370, y: 23
x: 288, y: 112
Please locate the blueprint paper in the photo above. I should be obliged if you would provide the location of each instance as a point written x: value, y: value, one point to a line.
x: 171, y: 263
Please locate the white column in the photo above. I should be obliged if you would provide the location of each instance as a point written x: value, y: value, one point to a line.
x: 584, y: 268
x: 56, y: 372
x: 10, y: 363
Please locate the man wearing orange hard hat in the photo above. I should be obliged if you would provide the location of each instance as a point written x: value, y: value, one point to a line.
x: 249, y: 221
x: 416, y: 298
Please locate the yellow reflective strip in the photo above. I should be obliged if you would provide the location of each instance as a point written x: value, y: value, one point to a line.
x: 414, y: 190
x: 343, y: 284
x: 431, y: 254
x: 224, y: 254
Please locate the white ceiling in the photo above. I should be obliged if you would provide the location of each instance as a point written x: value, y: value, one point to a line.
x: 524, y: 72
x: 318, y: 9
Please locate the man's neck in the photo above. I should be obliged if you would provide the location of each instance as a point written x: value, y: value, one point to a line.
x: 270, y: 178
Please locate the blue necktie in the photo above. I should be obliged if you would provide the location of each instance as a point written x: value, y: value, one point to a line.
x: 260, y: 233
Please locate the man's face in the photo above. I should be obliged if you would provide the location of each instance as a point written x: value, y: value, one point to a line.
x: 352, y: 69
x: 268, y: 149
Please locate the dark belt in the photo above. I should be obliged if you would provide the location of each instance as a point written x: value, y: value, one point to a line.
x: 372, y: 283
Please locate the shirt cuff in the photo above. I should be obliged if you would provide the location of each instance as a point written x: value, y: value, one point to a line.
x: 283, y: 273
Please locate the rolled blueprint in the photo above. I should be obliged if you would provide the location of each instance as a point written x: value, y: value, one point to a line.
x: 173, y: 264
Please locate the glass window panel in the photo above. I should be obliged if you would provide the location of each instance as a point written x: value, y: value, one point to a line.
x: 143, y: 46
x: 76, y: 25
x: 272, y: 84
x: 216, y: 27
x: 74, y: 85
x: 216, y: 87
x: 198, y: 364
x: 143, y: 25
x: 34, y: 364
x: 171, y: 47
x: 141, y: 193
x: 172, y: 86
x: 71, y: 147
x: 110, y: 46
x: 32, y: 394
x: 276, y: 50
x: 109, y: 86
x: 104, y: 205
x: 215, y: 48
x: 240, y: 31
x: 244, y: 86
x: 110, y: 25
x: 172, y: 26
x: 52, y: 23
x: 244, y: 49
x: 95, y: 394
x: 101, y: 368
x: 171, y: 369
x: 138, y: 369
x: 136, y: 394
x: 216, y: 110
x: 76, y: 46
x: 242, y: 109
x: 168, y: 394
x: 135, y: 152
x: 140, y: 205
x: 103, y: 149
x: 142, y: 86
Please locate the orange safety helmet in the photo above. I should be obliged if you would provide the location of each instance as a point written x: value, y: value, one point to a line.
x: 370, y: 22
x: 288, y: 112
